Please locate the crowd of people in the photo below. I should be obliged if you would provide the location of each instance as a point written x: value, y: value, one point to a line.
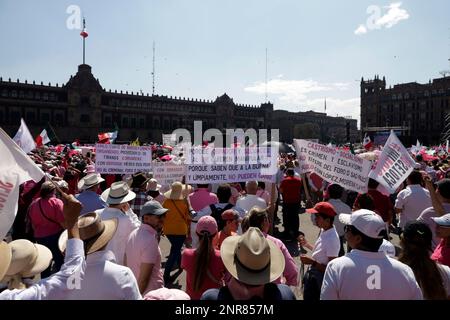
x: 82, y: 235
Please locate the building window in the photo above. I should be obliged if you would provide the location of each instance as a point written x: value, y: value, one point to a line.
x: 31, y: 117
x: 133, y: 122
x: 84, y: 118
x: 37, y: 96
x: 156, y: 123
x: 21, y: 94
x: 141, y: 123
x: 15, y: 117
x: 4, y: 93
x: 125, y: 122
x: 14, y: 94
x: 45, y: 97
x: 107, y: 121
x: 45, y: 117
x: 59, y: 120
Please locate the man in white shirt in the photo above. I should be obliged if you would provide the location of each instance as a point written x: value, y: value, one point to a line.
x: 364, y: 273
x: 413, y: 200
x: 57, y: 286
x: 325, y: 249
x: 251, y: 200
x: 335, y: 193
x: 118, y: 197
x: 104, y: 279
x: 443, y: 195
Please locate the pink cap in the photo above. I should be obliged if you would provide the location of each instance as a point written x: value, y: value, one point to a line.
x: 208, y: 224
x: 167, y: 294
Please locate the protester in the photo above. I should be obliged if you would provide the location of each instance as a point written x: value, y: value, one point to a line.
x: 176, y: 226
x: 142, y: 253
x: 433, y: 278
x: 290, y: 188
x: 104, y: 279
x: 263, y: 193
x: 442, y: 252
x: 360, y: 273
x: 57, y: 286
x: 117, y: 198
x: 325, y: 249
x: 253, y: 262
x: 167, y: 294
x: 231, y: 219
x: 413, y: 200
x: 204, y: 267
x: 441, y: 197
x: 251, y: 200
x: 201, y: 197
x: 139, y: 186
x: 383, y: 205
x: 335, y: 192
x: 153, y: 190
x: 89, y: 197
x: 259, y: 218
x: 47, y: 220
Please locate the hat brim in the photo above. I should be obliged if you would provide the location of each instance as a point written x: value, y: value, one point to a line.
x: 272, y: 272
x: 158, y: 187
x: 440, y: 222
x: 312, y: 210
x: 96, y: 243
x: 158, y: 212
x: 127, y: 198
x: 83, y: 186
x: 44, y: 258
x: 174, y: 196
x: 345, y: 218
x: 132, y: 185
x: 5, y: 258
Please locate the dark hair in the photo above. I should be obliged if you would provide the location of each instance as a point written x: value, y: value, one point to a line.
x: 202, y: 259
x: 416, y: 244
x: 367, y: 243
x: 47, y: 188
x: 364, y: 201
x: 224, y: 193
x: 415, y: 177
x: 245, y: 224
x: 290, y: 172
x: 335, y: 191
x: 256, y: 217
x: 325, y: 217
x: 419, y: 158
x: 203, y: 185
x: 373, y: 184
x: 443, y: 188
x: 262, y: 185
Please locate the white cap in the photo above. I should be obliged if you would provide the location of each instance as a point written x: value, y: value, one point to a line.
x: 443, y: 221
x: 366, y: 221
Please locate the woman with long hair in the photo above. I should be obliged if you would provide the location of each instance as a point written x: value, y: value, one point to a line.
x: 204, y: 267
x: 433, y: 278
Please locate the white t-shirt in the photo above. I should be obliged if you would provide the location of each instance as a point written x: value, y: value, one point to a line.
x: 249, y: 201
x: 326, y: 246
x: 363, y: 275
x: 412, y: 200
x: 339, y: 207
x: 388, y: 248
x: 445, y: 273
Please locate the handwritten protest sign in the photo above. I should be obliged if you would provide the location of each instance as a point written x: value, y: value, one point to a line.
x: 167, y: 172
x: 122, y: 159
x: 224, y: 165
x: 335, y: 166
x: 394, y: 164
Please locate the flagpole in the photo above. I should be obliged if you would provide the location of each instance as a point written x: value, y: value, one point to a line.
x: 54, y: 133
x: 84, y: 42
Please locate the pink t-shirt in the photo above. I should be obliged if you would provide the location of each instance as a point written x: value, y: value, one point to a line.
x: 442, y: 253
x: 52, y: 208
x: 216, y: 269
x: 142, y: 247
x: 202, y: 198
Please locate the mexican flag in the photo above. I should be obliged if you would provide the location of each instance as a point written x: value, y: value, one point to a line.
x: 42, y: 139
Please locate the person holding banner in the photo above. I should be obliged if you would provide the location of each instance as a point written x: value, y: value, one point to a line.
x: 290, y: 188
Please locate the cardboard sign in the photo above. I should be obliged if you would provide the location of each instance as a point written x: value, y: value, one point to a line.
x: 122, y: 159
x: 394, y: 164
x: 335, y: 166
x: 167, y: 173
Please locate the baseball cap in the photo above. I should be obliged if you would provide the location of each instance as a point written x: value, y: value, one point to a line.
x: 206, y: 224
x: 323, y: 208
x: 366, y: 221
x: 154, y: 208
x: 443, y: 221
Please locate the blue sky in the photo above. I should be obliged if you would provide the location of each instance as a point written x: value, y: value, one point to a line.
x: 316, y: 49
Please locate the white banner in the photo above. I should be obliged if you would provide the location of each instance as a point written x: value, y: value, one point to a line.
x: 15, y: 168
x: 394, y: 164
x: 167, y: 173
x: 122, y: 159
x: 225, y: 165
x: 335, y: 166
x: 169, y: 139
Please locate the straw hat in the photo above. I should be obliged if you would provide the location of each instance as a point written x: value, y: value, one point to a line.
x: 118, y: 193
x: 138, y: 180
x: 251, y: 258
x: 5, y: 258
x: 153, y: 185
x: 175, y: 192
x: 95, y: 232
x: 89, y: 181
x: 28, y: 259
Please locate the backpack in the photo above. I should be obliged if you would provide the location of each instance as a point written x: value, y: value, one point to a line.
x: 216, y: 213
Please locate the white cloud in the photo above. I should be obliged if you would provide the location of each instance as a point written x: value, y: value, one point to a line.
x: 394, y: 15
x: 361, y: 30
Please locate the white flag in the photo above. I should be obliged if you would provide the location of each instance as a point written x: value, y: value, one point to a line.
x: 15, y: 168
x: 23, y: 138
x: 394, y: 164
